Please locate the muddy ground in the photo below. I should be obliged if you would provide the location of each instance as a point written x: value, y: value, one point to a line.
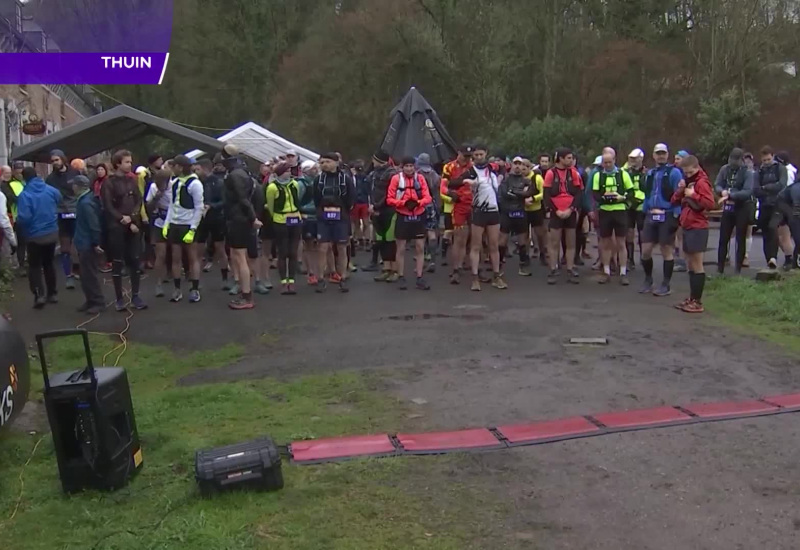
x: 496, y: 357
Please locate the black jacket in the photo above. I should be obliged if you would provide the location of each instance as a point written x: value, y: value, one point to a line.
x: 60, y: 180
x: 381, y: 178
x: 214, y: 195
x: 238, y: 192
x: 513, y: 191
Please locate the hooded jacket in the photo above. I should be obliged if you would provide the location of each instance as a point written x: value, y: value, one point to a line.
x: 37, y: 209
x: 737, y: 180
x: 239, y: 188
x: 770, y: 180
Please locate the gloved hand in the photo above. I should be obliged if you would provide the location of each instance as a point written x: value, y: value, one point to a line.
x: 411, y: 204
x: 165, y: 230
x: 189, y: 237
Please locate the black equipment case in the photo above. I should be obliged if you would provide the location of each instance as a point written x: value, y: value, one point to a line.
x: 250, y: 465
x: 91, y: 418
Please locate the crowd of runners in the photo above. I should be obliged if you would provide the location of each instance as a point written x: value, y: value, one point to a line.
x: 179, y: 217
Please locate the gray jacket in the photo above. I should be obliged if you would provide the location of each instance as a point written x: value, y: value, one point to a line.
x: 737, y: 180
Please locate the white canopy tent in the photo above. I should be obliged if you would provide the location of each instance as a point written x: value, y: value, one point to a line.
x: 260, y: 144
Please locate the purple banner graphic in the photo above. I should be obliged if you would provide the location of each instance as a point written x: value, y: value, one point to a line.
x: 83, y: 68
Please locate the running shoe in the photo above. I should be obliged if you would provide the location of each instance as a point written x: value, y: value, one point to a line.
x: 422, y: 284
x: 693, y: 307
x: 208, y: 267
x: 524, y: 272
x: 70, y: 282
x: 351, y: 267
x: 370, y: 268
x: 402, y: 284
x: 335, y: 278
x: 285, y: 289
x: 39, y: 302
x: 574, y: 277
x: 663, y: 290
x: 226, y: 285
x: 52, y: 299
x: 343, y: 287
x: 603, y: 278
x: 312, y: 280
x: 499, y: 283
x: 177, y: 296
x: 241, y: 303
x: 484, y: 278
x: 159, y: 290
x: 431, y: 267
x: 120, y: 305
x: 682, y: 304
x: 194, y: 296
x: 268, y: 285
x: 631, y: 265
x: 680, y: 266
x: 291, y: 289
x: 455, y: 278
x: 624, y: 281
x: 234, y: 289
x: 83, y: 307
x: 105, y: 268
x: 647, y: 287
x: 260, y: 288
x: 95, y: 310
x: 383, y: 277
x: 138, y: 303
x: 321, y: 287
x: 393, y: 278
x: 552, y: 277
x: 746, y: 262
x: 476, y: 284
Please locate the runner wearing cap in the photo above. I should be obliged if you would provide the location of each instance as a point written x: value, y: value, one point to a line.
x: 612, y: 190
x: 563, y: 189
x: 661, y: 219
x: 734, y: 185
x: 157, y: 200
x: 696, y: 198
x: 637, y: 172
x: 183, y: 217
x: 513, y: 194
x: 460, y: 196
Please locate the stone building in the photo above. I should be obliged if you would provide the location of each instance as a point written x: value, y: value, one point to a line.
x: 31, y: 111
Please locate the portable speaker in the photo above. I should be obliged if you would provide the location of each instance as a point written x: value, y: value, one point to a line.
x: 91, y: 417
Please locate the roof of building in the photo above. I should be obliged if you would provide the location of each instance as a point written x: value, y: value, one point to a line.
x: 260, y: 144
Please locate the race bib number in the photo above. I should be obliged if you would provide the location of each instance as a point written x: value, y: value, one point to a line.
x: 516, y: 214
x: 333, y: 214
x: 728, y: 207
x: 658, y: 218
x: 412, y: 218
x: 67, y: 216
x: 293, y: 221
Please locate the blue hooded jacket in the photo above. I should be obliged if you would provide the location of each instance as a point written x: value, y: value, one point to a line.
x: 37, y: 209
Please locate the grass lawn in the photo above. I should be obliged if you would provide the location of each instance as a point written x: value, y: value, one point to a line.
x: 768, y: 310
x: 369, y: 504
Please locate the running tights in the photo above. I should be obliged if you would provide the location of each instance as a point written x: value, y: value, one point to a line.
x: 124, y: 247
x: 735, y: 222
x: 41, y: 259
x: 287, y: 241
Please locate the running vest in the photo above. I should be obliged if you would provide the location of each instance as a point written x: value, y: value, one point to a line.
x: 571, y: 188
x: 617, y: 185
x: 666, y: 187
x: 401, y: 187
x: 180, y: 191
x: 638, y: 193
x: 16, y: 188
x: 281, y: 205
x: 336, y: 190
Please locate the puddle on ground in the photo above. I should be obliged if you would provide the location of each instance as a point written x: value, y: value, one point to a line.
x: 428, y: 316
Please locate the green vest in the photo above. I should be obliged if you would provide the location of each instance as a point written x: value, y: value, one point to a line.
x: 638, y: 193
x: 611, y: 183
x: 17, y: 187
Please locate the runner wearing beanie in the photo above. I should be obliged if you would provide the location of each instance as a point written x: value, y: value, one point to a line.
x: 334, y: 196
x: 59, y: 178
x: 283, y: 200
x: 734, y: 185
x: 696, y: 199
x: 308, y: 212
x: 409, y: 195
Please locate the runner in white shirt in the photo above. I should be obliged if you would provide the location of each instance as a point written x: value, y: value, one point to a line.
x: 483, y: 179
x: 157, y: 200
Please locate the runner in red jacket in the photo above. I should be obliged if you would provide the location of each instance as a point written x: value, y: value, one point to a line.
x: 695, y: 198
x: 408, y: 194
